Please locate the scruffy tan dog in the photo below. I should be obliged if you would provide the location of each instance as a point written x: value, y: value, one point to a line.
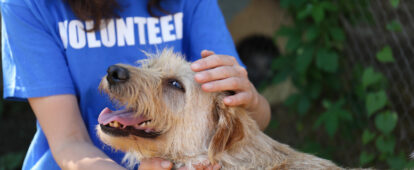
x: 168, y: 115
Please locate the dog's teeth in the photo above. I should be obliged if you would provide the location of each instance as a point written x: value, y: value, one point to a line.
x: 116, y: 124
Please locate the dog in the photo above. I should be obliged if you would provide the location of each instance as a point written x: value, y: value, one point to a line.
x: 166, y: 114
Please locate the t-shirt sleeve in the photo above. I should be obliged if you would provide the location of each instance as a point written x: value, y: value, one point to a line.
x: 33, y: 60
x: 207, y: 30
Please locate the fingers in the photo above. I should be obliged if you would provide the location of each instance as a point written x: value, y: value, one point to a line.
x: 223, y: 73
x: 238, y: 99
x: 232, y: 83
x: 155, y: 163
x: 213, y: 61
x: 206, y: 53
x: 219, y: 73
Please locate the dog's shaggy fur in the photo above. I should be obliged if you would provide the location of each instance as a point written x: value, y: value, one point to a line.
x: 194, y: 126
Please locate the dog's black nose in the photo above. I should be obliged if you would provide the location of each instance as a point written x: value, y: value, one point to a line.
x: 117, y: 74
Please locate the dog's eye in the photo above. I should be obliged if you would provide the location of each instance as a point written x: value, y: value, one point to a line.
x: 176, y: 84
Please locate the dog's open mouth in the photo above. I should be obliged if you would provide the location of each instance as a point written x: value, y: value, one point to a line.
x: 124, y: 123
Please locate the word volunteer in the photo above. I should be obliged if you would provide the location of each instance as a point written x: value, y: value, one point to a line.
x: 121, y: 31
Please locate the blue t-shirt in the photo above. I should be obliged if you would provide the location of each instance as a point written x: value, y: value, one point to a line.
x: 46, y: 51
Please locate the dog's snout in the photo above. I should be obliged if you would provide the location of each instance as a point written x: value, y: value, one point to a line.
x: 117, y: 74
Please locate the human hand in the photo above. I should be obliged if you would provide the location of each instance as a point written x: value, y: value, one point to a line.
x: 223, y: 73
x: 155, y: 163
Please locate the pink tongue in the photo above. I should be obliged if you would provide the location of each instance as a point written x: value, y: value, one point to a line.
x: 124, y: 117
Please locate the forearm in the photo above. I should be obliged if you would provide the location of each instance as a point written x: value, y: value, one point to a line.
x: 69, y: 141
x: 82, y: 155
x: 261, y: 112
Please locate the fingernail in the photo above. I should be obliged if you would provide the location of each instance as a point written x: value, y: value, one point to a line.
x: 195, y: 66
x: 165, y: 164
x: 200, y: 77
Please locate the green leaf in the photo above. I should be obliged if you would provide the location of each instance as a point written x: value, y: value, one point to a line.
x: 312, y: 33
x: 333, y: 116
x: 293, y: 43
x: 330, y: 120
x: 291, y: 100
x: 315, y: 90
x: 329, y: 6
x: 303, y: 105
x: 344, y: 115
x: 409, y: 165
x: 386, y: 122
x: 375, y: 101
x: 337, y: 34
x: 395, y: 3
x: 370, y: 77
x: 326, y: 104
x: 11, y: 160
x: 327, y: 60
x: 331, y: 124
x: 285, y: 3
x: 366, y: 158
x: 273, y: 124
x: 298, y: 3
x: 286, y: 31
x: 367, y: 136
x: 281, y: 76
x: 385, y: 145
x: 304, y: 60
x: 397, y: 161
x: 305, y: 12
x: 318, y: 13
x: 385, y: 55
x: 280, y: 63
x: 394, y: 25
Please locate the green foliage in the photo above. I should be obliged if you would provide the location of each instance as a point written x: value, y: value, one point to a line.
x: 394, y: 26
x: 385, y: 55
x: 386, y: 122
x: 366, y: 158
x: 11, y: 161
x: 395, y: 3
x: 385, y: 145
x: 333, y: 115
x: 367, y: 136
x: 370, y: 77
x: 327, y: 60
x: 346, y: 108
x: 375, y: 101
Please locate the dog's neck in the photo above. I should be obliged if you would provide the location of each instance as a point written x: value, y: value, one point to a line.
x: 256, y: 150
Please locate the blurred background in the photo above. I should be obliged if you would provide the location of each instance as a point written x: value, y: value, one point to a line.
x: 337, y: 73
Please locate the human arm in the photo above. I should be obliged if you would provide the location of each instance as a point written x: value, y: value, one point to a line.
x: 206, y: 29
x: 60, y: 119
x: 223, y: 73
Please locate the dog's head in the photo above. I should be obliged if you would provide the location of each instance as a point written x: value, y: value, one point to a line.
x: 165, y: 112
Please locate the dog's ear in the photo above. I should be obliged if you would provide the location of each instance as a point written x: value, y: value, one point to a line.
x: 228, y: 128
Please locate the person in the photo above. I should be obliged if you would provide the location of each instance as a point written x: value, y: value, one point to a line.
x: 55, y: 53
